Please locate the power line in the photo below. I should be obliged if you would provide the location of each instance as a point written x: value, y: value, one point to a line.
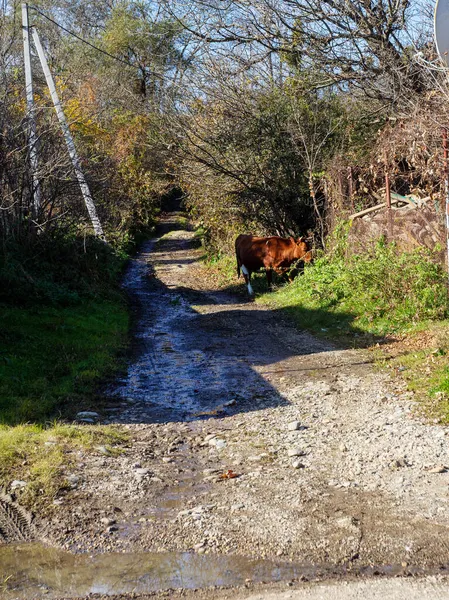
x: 84, y: 41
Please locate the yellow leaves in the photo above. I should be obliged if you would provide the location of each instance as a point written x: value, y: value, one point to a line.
x: 83, y: 122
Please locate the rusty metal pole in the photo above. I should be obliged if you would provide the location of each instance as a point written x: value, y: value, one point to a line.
x: 446, y: 189
x: 351, y: 188
x: 388, y: 200
x: 387, y: 190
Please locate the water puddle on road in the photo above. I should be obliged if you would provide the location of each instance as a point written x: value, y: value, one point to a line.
x: 36, y: 571
x: 32, y: 570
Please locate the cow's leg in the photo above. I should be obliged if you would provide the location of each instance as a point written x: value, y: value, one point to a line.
x: 247, y: 276
x: 269, y: 279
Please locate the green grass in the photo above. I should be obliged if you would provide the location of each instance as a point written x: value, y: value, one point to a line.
x: 52, y: 358
x: 376, y: 294
x: 63, y: 328
x: 40, y: 456
x: 424, y: 365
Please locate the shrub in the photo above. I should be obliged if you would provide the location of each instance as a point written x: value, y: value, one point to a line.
x: 380, y: 291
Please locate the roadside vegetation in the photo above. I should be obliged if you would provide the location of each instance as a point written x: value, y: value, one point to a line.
x: 395, y: 303
x: 376, y: 293
x: 41, y: 456
x: 64, y: 329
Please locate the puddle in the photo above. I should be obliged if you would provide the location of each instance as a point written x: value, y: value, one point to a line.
x: 190, y: 365
x: 36, y: 571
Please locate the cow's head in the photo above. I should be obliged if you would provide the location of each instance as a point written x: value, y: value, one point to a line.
x: 302, y: 250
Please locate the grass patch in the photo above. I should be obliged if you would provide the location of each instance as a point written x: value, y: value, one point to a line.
x: 423, y: 362
x: 63, y: 328
x: 376, y: 294
x: 52, y: 358
x: 40, y: 456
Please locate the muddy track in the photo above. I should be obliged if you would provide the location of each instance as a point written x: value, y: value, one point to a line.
x: 250, y: 438
x: 15, y: 521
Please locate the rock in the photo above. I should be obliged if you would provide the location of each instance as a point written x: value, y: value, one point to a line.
x: 296, y: 464
x: 437, y: 469
x: 399, y: 463
x: 103, y: 450
x: 293, y: 425
x: 141, y: 472
x: 168, y: 459
x: 73, y: 480
x: 112, y: 528
x: 18, y: 485
x: 200, y: 546
x: 108, y: 522
x: 295, y: 452
x: 209, y: 437
x: 347, y: 522
x: 218, y: 443
x: 87, y: 414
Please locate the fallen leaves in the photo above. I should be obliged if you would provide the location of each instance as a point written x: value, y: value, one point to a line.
x: 229, y: 474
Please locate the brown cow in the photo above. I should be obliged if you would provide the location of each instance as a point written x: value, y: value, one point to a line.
x: 269, y: 253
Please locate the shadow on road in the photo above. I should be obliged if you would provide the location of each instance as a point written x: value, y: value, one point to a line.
x: 200, y: 354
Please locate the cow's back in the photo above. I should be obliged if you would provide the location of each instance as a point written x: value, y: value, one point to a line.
x: 261, y: 252
x: 251, y: 251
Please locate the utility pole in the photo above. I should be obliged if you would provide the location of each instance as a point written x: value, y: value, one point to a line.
x: 68, y: 138
x: 31, y: 116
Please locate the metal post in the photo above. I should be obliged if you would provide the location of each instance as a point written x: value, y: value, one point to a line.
x: 351, y: 188
x: 31, y: 116
x: 388, y: 201
x: 446, y: 189
x: 387, y: 190
x: 68, y: 138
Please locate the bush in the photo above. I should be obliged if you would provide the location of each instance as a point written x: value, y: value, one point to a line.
x: 380, y: 291
x: 58, y: 269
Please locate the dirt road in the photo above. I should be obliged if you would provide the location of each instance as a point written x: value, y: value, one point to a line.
x: 250, y: 439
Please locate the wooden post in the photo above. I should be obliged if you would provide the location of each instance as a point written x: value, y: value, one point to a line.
x: 68, y: 138
x: 36, y: 196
